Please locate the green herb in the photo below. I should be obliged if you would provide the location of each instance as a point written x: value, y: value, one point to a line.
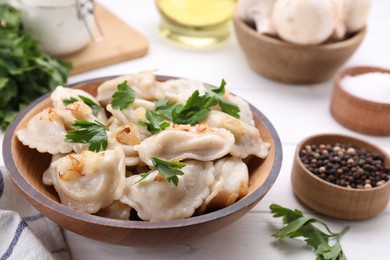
x: 298, y: 225
x: 155, y: 122
x: 123, y: 97
x: 69, y: 101
x: 95, y: 107
x: 26, y: 72
x: 217, y: 94
x: 86, y: 132
x: 165, y: 108
x: 168, y: 170
x: 194, y: 111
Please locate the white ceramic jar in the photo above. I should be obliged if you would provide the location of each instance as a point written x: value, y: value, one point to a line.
x: 61, y: 26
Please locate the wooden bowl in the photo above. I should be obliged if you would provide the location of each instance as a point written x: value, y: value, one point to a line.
x: 333, y: 200
x: 360, y: 115
x: 26, y: 166
x: 292, y: 63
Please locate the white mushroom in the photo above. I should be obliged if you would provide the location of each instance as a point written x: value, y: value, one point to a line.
x: 340, y: 12
x: 258, y: 11
x: 356, y: 14
x: 305, y: 22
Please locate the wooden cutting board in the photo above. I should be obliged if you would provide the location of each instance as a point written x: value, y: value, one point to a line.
x: 120, y: 43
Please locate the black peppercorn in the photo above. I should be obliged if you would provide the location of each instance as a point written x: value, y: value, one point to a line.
x: 345, y: 165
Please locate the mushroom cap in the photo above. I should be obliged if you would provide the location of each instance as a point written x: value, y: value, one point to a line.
x: 305, y: 22
x: 258, y: 11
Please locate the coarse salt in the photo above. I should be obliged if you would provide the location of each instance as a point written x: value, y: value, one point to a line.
x: 372, y: 86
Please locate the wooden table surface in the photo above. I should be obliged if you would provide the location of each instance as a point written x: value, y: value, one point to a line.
x: 295, y: 111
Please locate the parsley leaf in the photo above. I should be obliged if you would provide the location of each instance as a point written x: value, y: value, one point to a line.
x: 298, y: 225
x: 155, y: 123
x: 168, y: 170
x: 194, y: 111
x: 123, y: 97
x: 95, y: 107
x: 69, y: 101
x: 165, y: 108
x: 217, y: 94
x: 86, y: 132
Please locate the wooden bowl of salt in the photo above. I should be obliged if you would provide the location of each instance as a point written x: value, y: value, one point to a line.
x: 361, y: 100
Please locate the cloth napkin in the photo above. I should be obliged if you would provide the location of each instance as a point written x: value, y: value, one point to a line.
x: 24, y: 232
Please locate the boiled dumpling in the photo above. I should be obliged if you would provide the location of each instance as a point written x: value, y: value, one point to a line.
x: 179, y: 90
x: 156, y: 199
x: 143, y: 84
x: 117, y: 210
x: 196, y: 142
x: 133, y: 114
x: 245, y: 113
x: 231, y: 183
x: 46, y: 133
x: 88, y: 181
x: 247, y: 137
x: 77, y: 110
x: 126, y: 137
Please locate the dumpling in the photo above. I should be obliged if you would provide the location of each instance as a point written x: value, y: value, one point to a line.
x: 231, y: 183
x: 179, y: 90
x: 88, y: 181
x: 155, y: 199
x: 143, y: 84
x: 247, y: 137
x: 46, y: 133
x: 126, y: 137
x: 197, y: 142
x: 133, y: 114
x: 245, y: 113
x: 77, y: 110
x: 117, y: 210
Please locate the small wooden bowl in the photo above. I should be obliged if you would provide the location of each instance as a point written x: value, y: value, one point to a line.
x: 357, y: 114
x: 292, y: 63
x: 26, y: 166
x: 333, y: 200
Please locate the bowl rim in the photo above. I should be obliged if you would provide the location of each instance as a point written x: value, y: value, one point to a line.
x: 298, y: 160
x: 355, y: 37
x: 64, y: 210
x: 358, y: 70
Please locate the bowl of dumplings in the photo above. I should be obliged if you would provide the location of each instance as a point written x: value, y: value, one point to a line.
x: 142, y: 159
x: 301, y: 41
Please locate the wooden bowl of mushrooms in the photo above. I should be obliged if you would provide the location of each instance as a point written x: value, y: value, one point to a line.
x: 103, y: 160
x: 341, y: 176
x: 299, y: 42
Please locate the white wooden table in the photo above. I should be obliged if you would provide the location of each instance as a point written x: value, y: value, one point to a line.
x: 295, y: 111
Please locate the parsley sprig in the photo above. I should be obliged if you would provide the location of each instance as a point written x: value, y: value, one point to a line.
x: 86, y: 132
x: 217, y: 94
x: 168, y: 170
x: 194, y: 111
x: 95, y: 107
x: 123, y: 97
x: 155, y: 122
x: 298, y: 225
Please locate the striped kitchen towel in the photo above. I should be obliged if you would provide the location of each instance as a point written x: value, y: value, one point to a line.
x: 24, y: 232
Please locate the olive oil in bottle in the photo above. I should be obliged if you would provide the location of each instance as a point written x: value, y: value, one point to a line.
x: 196, y: 23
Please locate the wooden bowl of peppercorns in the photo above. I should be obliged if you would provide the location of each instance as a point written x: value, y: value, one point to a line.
x: 341, y: 176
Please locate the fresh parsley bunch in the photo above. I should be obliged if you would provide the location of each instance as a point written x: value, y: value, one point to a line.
x: 26, y: 72
x: 298, y: 225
